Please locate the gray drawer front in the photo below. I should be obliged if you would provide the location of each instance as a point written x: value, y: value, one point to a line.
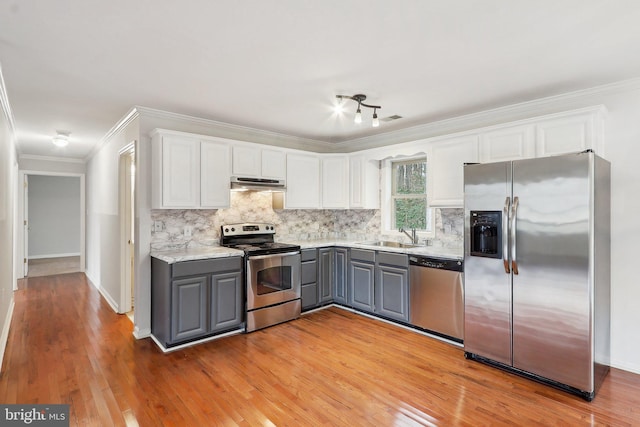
x: 308, y: 255
x: 204, y: 266
x: 308, y: 272
x: 388, y: 258
x: 363, y: 255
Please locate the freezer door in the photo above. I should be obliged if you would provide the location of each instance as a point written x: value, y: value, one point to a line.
x: 552, y: 290
x: 487, y: 284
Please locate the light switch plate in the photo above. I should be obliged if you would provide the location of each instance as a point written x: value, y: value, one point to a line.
x: 188, y: 230
x: 157, y: 226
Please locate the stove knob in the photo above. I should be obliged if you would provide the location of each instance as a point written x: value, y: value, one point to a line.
x: 226, y: 230
x: 233, y: 229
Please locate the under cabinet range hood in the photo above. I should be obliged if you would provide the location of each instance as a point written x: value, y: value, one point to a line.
x: 239, y: 183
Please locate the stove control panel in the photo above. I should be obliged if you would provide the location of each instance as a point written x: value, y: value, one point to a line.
x: 247, y: 229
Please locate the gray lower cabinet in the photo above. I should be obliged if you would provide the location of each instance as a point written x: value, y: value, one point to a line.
x: 340, y: 288
x: 226, y: 301
x: 361, y: 279
x: 195, y: 299
x: 188, y: 308
x: 309, y: 278
x: 325, y: 274
x: 392, y: 286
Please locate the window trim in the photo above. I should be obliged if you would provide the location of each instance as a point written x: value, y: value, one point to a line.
x: 386, y: 204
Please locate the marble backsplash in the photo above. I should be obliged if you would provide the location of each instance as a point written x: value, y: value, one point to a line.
x: 294, y: 224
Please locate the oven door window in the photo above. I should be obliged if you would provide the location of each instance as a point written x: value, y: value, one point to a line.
x: 274, y: 279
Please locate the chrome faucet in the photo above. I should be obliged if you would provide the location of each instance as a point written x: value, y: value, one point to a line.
x: 413, y: 236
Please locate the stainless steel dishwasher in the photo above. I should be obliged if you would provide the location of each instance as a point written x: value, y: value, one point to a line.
x: 436, y: 296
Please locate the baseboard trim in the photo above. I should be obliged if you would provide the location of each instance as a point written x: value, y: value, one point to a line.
x: 192, y: 343
x: 4, y: 338
x: 141, y: 333
x: 54, y: 256
x: 112, y: 303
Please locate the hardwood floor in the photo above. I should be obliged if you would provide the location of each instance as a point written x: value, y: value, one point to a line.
x: 331, y: 368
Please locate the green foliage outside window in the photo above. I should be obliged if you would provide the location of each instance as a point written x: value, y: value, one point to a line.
x: 410, y: 194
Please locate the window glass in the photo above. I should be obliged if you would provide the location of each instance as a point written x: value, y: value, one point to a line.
x: 409, y: 195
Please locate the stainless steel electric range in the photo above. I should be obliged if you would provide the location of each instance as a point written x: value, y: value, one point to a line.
x: 272, y: 273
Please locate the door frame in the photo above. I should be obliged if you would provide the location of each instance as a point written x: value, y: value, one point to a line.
x: 126, y: 213
x: 23, y: 193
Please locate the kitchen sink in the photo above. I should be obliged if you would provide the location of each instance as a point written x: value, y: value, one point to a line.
x: 389, y: 244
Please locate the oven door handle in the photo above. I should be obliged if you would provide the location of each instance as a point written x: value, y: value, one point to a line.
x: 279, y: 255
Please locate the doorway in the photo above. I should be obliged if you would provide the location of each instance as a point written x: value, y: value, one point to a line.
x: 126, y: 189
x: 53, y: 223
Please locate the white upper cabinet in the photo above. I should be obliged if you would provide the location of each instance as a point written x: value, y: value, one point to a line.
x: 188, y: 172
x: 251, y: 160
x: 180, y: 172
x: 445, y: 179
x: 215, y: 174
x: 335, y: 182
x: 246, y: 161
x: 511, y: 143
x: 570, y: 132
x: 303, y: 181
x: 274, y: 164
x: 364, y: 183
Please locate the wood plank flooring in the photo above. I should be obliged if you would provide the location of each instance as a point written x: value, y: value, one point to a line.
x: 328, y: 368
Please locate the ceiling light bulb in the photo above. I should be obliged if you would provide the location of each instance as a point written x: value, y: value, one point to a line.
x: 60, y: 140
x: 358, y: 118
x: 375, y: 122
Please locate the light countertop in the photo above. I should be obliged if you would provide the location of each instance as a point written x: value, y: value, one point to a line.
x: 207, y: 252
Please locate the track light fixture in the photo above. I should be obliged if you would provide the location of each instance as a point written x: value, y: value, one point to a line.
x: 359, y: 98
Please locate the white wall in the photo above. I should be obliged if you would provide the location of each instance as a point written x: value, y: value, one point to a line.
x: 55, y: 166
x: 8, y: 174
x: 54, y: 216
x: 103, y: 241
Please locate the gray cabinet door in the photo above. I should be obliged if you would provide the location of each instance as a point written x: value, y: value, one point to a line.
x: 226, y: 301
x: 309, y: 278
x: 325, y: 274
x: 361, y: 285
x: 189, y: 308
x: 392, y: 292
x: 340, y: 285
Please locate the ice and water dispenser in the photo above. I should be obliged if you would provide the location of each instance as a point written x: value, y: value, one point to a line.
x: 486, y: 234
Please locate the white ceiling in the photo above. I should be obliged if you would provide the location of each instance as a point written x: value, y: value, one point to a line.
x: 277, y: 65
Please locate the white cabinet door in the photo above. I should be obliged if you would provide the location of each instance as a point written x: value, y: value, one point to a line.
x: 246, y: 161
x: 335, y: 182
x: 563, y: 135
x: 445, y: 180
x: 512, y: 143
x: 180, y: 172
x: 303, y: 181
x: 364, y: 183
x: 215, y: 174
x: 274, y: 164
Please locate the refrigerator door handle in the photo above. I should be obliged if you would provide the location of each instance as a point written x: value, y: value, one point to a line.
x: 514, y: 212
x: 505, y: 235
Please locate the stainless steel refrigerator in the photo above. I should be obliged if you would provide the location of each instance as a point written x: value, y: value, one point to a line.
x: 537, y: 268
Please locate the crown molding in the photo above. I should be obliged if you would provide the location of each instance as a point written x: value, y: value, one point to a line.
x: 481, y: 119
x: 131, y: 115
x: 243, y: 133
x: 51, y: 159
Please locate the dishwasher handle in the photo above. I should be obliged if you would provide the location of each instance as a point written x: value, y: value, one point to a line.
x: 437, y: 263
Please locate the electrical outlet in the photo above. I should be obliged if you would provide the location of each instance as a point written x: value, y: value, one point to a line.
x: 157, y: 226
x: 188, y: 230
